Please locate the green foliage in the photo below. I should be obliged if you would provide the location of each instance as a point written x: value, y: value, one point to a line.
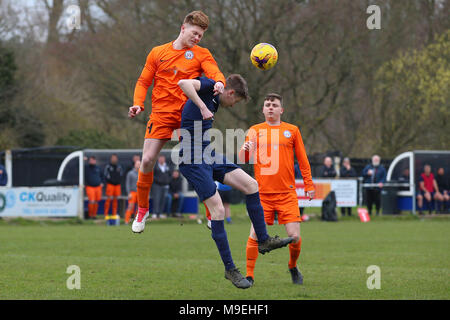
x: 414, y: 97
x: 90, y: 138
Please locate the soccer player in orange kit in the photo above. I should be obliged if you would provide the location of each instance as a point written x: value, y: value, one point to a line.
x: 165, y: 66
x: 271, y: 144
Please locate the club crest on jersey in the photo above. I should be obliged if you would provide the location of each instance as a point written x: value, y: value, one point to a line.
x: 189, y: 54
x: 287, y: 133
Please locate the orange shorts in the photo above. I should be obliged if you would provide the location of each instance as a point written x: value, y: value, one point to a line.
x: 285, y: 204
x: 132, y: 197
x: 113, y: 190
x: 94, y: 193
x: 162, y: 124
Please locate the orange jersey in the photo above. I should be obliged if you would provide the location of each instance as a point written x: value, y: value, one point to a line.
x: 165, y: 66
x: 273, y: 157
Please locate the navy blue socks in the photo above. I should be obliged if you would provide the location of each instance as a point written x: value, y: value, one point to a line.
x: 256, y: 214
x: 220, y: 237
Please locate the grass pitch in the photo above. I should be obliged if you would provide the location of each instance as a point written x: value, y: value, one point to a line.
x: 179, y: 260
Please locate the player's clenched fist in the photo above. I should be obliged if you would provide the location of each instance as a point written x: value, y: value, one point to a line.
x: 218, y: 88
x: 134, y: 111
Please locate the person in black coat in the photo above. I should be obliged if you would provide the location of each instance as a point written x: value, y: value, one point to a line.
x: 327, y: 170
x: 161, y: 180
x: 347, y: 171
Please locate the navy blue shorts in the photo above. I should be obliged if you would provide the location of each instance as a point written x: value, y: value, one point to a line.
x: 202, y: 176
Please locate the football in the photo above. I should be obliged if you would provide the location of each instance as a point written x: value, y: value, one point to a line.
x: 264, y: 56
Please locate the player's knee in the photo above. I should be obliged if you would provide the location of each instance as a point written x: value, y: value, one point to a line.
x: 148, y: 161
x: 295, y: 236
x: 251, y: 186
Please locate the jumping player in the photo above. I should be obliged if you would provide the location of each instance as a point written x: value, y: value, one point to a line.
x: 272, y: 144
x: 201, y: 167
x: 165, y: 66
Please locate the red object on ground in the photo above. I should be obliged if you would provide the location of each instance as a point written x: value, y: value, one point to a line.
x: 363, y: 215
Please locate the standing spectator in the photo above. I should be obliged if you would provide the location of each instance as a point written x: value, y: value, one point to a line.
x: 131, y: 181
x: 347, y: 171
x: 130, y: 167
x: 428, y: 188
x: 327, y: 170
x: 374, y: 173
x: 175, y: 196
x: 3, y: 176
x: 113, y: 176
x: 93, y: 181
x: 160, y: 187
x: 298, y: 175
x: 225, y: 194
x: 444, y: 189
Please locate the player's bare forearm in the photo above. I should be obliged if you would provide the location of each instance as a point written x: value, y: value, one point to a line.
x: 190, y: 88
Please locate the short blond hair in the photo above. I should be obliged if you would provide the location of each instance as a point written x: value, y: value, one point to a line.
x: 197, y: 18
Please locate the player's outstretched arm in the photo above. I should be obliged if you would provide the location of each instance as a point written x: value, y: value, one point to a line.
x: 190, y: 88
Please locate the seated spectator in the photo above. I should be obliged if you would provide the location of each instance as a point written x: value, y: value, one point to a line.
x: 175, y: 196
x: 443, y: 191
x: 428, y: 189
x: 327, y: 170
x: 3, y: 176
x: 347, y: 171
x: 374, y: 173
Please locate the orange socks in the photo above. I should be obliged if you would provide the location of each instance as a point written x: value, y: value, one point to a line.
x: 294, y: 253
x: 144, y: 184
x: 252, y: 255
x: 106, y: 209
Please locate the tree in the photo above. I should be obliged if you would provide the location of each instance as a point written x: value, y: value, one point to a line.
x: 414, y: 99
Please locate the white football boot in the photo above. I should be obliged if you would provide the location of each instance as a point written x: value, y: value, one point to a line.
x: 139, y: 223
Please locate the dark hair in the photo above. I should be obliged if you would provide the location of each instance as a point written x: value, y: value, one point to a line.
x: 237, y: 83
x: 197, y: 18
x: 273, y: 96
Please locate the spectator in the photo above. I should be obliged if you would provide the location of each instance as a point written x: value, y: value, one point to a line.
x: 3, y: 176
x: 374, y: 173
x: 404, y: 178
x: 327, y: 170
x: 93, y: 181
x: 113, y: 173
x: 443, y: 190
x: 298, y: 175
x: 160, y: 187
x: 428, y: 188
x: 131, y: 181
x: 225, y: 194
x: 347, y: 171
x: 175, y: 196
x: 135, y: 158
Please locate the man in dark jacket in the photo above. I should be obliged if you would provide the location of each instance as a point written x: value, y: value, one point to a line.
x: 327, y: 170
x: 175, y: 196
x: 113, y: 173
x: 93, y: 181
x: 347, y: 171
x: 374, y: 173
x: 160, y: 187
x: 3, y: 176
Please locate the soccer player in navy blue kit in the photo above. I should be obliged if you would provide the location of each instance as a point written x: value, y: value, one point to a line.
x: 201, y: 166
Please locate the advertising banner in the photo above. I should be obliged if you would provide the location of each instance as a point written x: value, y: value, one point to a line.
x: 346, y: 191
x: 39, y: 202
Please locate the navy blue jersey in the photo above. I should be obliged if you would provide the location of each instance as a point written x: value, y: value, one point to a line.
x: 191, y: 118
